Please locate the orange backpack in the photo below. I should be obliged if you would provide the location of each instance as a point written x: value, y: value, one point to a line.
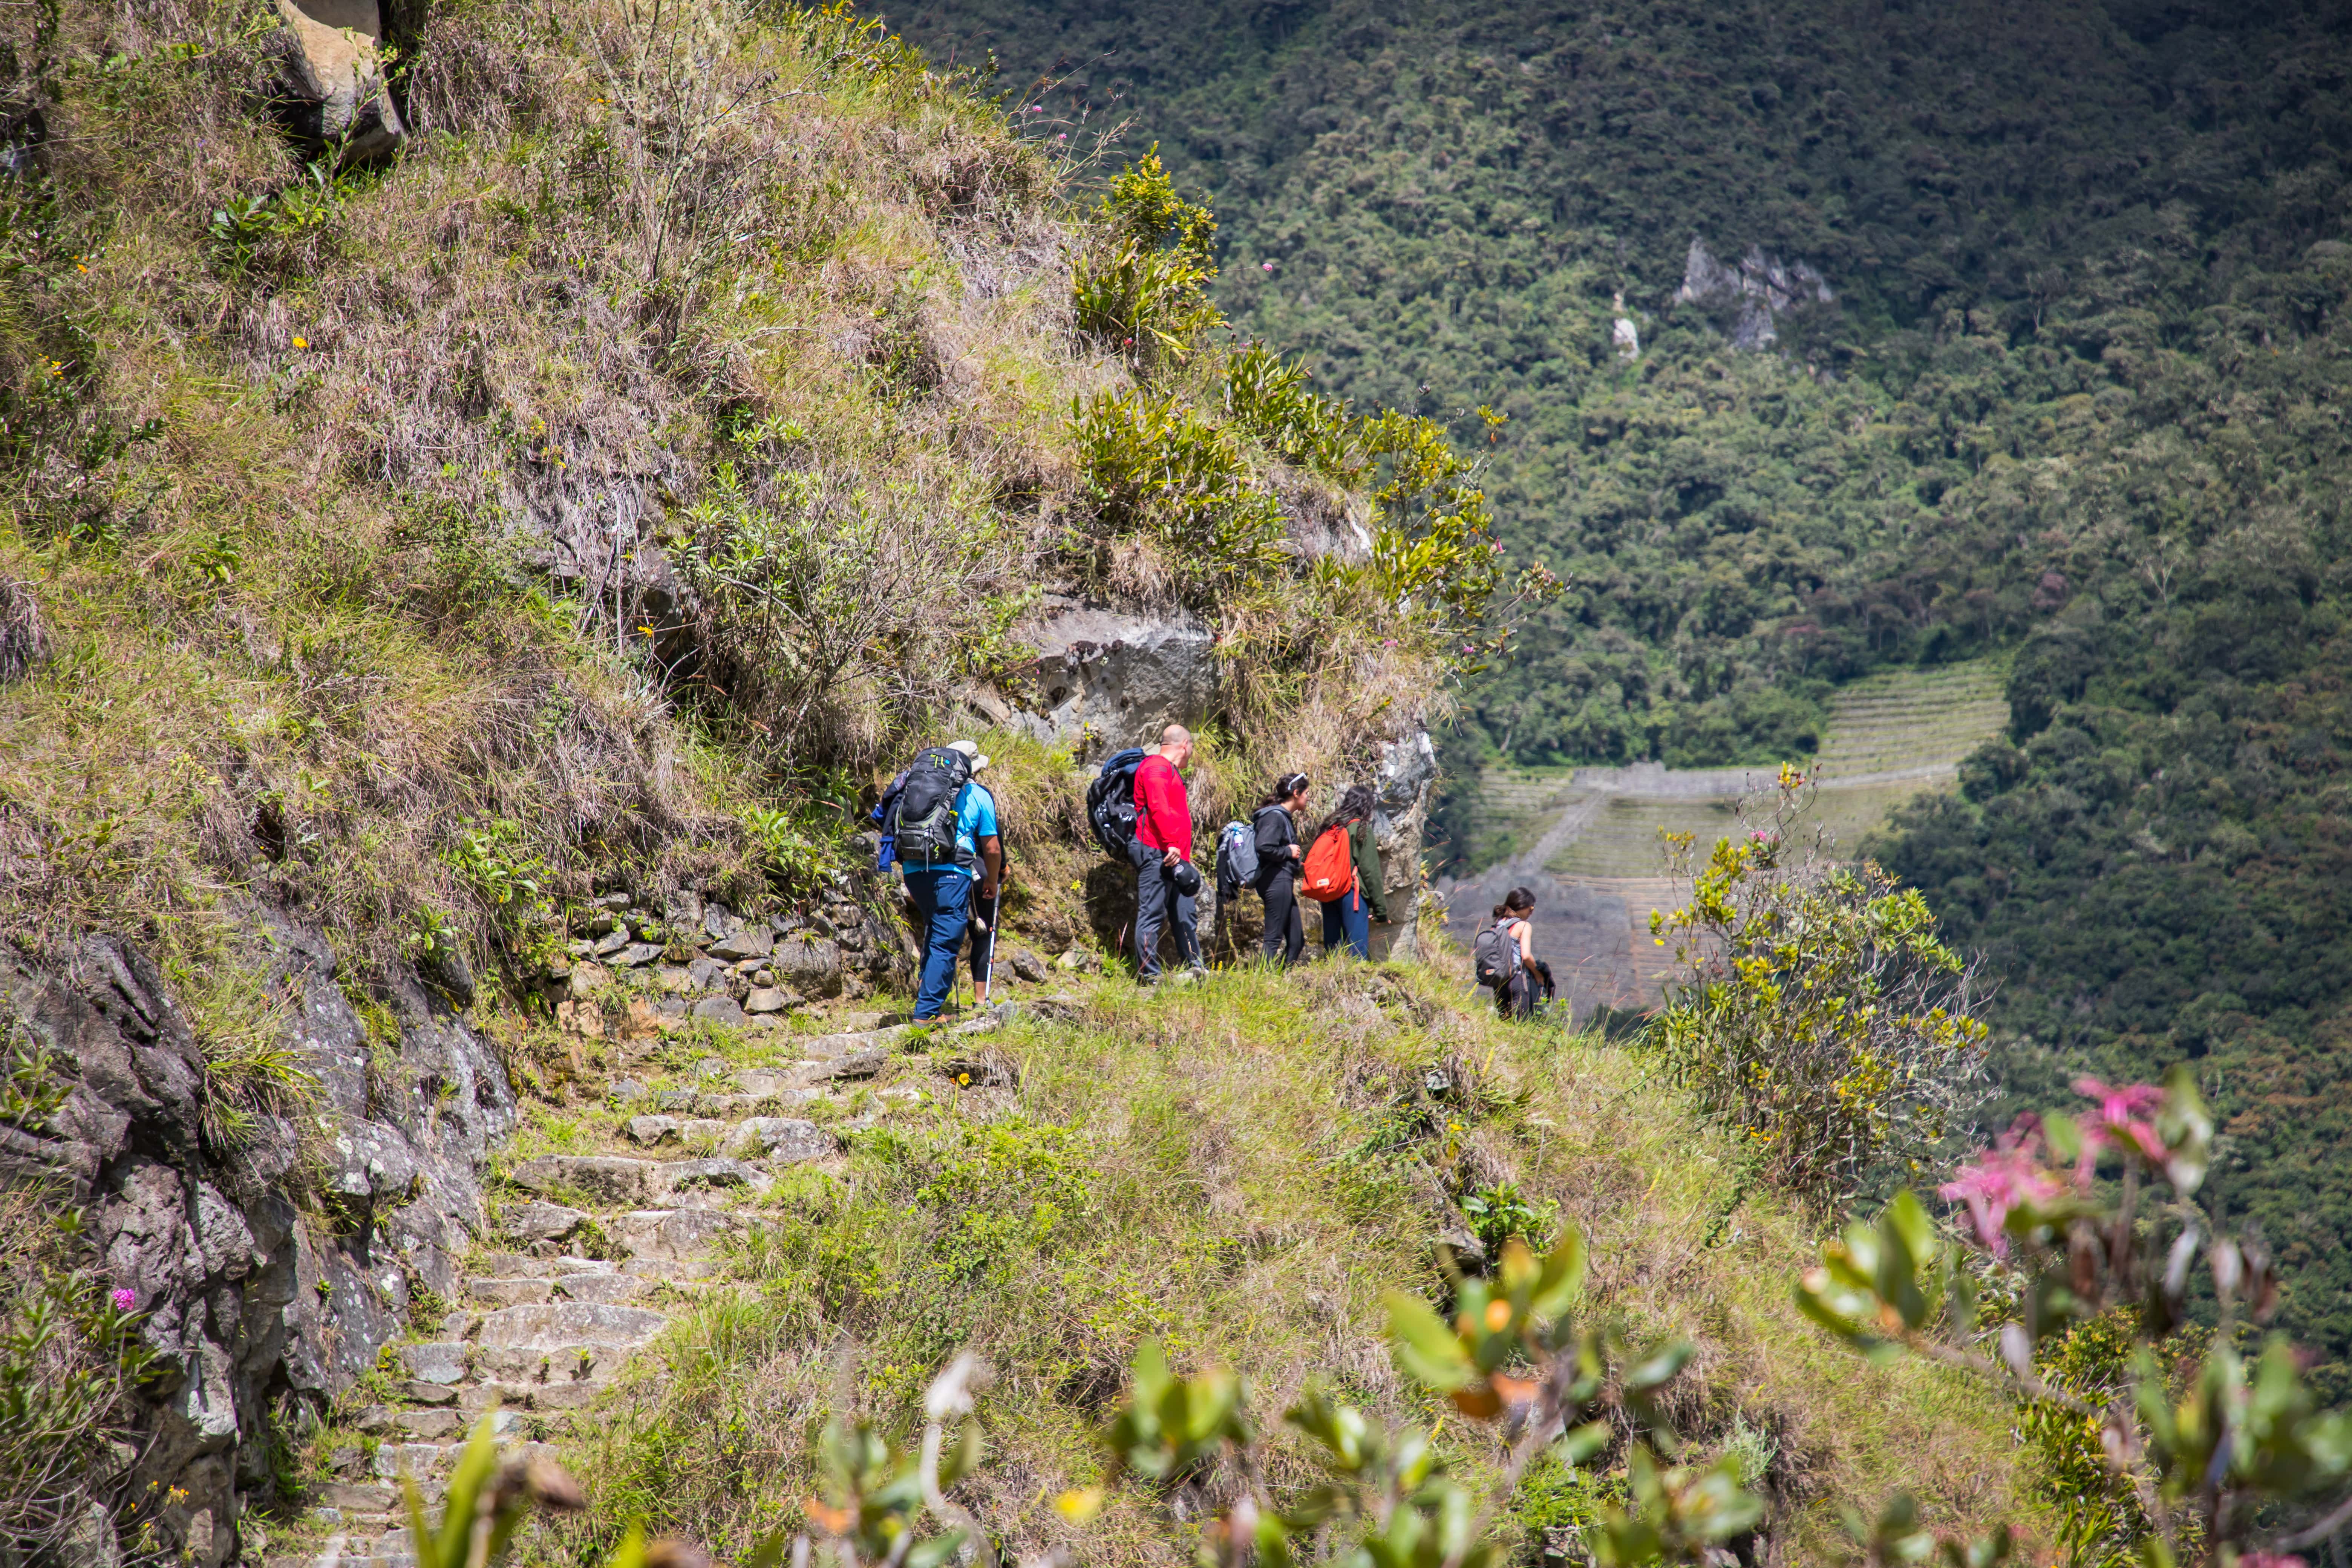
x: 1329, y: 873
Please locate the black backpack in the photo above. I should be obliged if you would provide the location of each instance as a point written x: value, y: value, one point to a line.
x: 1110, y: 804
x: 922, y: 822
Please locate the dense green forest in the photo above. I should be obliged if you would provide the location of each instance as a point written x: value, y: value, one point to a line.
x: 2078, y: 394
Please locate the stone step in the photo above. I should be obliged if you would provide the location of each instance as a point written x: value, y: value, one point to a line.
x: 562, y: 1325
x: 622, y: 1182
x: 673, y: 1235
x: 608, y: 1287
x: 432, y: 1461
x: 556, y: 1395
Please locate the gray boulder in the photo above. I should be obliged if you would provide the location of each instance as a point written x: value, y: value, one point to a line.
x: 1105, y: 678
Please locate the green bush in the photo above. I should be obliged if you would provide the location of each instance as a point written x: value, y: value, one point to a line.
x: 1817, y: 1013
x: 1138, y: 291
x: 1153, y: 464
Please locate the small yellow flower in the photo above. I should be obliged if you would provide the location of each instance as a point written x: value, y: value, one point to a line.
x: 302, y: 343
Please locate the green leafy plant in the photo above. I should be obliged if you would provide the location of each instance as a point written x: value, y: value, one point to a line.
x: 71, y: 1360
x: 1153, y: 464
x: 2216, y: 1457
x: 1268, y: 396
x: 1817, y: 1013
x: 1140, y: 289
x: 833, y: 613
x: 797, y: 853
x: 1500, y: 1215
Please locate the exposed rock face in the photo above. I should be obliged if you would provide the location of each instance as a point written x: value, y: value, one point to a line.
x: 1104, y: 679
x: 1401, y: 787
x: 258, y: 1290
x: 1623, y: 334
x: 334, y: 76
x: 1748, y: 296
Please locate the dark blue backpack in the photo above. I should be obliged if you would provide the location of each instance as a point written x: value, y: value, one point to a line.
x: 1110, y: 804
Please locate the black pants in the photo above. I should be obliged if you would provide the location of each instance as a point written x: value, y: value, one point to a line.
x: 1285, y: 925
x: 1158, y: 906
x: 1517, y: 1000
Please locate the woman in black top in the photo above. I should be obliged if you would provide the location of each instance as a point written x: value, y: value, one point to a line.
x: 1278, y: 867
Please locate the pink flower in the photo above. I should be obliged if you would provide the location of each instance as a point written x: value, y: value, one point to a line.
x: 1267, y: 265
x: 126, y: 1301
x: 2119, y: 1109
x: 2268, y: 1560
x: 2003, y: 1177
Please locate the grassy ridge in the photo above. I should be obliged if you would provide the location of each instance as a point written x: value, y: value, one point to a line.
x: 1239, y: 1168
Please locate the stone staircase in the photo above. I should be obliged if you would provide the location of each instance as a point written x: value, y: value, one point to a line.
x: 602, y: 1249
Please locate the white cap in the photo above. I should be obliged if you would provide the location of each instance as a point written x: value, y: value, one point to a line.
x: 971, y: 749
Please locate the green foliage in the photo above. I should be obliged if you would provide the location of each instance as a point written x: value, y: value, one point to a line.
x: 71, y: 1360
x: 1500, y: 1215
x: 1139, y: 289
x: 279, y: 228
x: 1267, y: 395
x: 799, y: 853
x: 1152, y: 464
x: 1819, y: 1012
x: 1383, y: 1498
x: 2202, y: 1449
x: 2102, y: 1518
x: 823, y: 600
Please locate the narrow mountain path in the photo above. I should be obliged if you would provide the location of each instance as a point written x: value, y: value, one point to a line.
x: 601, y: 1252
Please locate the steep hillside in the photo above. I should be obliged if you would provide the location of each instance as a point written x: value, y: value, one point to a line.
x: 482, y: 507
x: 1238, y: 1170
x: 1958, y: 327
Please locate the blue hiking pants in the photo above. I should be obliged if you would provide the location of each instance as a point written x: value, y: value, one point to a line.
x: 1348, y: 921
x: 943, y: 904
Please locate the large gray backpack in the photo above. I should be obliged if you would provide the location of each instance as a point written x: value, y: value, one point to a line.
x: 1496, y: 954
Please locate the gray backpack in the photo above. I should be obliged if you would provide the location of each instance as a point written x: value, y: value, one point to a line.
x: 1496, y: 954
x: 1238, y: 855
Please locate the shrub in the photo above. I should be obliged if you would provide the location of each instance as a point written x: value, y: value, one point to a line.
x: 1267, y: 395
x: 70, y: 1354
x: 1139, y: 289
x: 2062, y: 1288
x: 1818, y: 1013
x: 833, y: 613
x: 1154, y: 466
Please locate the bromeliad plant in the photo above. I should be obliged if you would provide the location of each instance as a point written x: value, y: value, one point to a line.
x: 2218, y: 1461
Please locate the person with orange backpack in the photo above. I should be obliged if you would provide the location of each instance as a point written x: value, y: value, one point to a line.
x: 1343, y: 873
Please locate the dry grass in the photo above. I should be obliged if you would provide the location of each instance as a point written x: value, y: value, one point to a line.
x: 1239, y: 1170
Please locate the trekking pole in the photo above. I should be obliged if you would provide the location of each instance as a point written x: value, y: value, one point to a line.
x: 995, y: 904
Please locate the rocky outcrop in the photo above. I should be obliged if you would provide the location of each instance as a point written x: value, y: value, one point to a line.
x: 1403, y: 785
x: 1103, y: 679
x: 1746, y: 298
x: 270, y: 1265
x: 333, y: 76
x: 639, y: 967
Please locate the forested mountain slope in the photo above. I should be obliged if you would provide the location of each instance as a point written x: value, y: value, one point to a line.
x: 2078, y: 397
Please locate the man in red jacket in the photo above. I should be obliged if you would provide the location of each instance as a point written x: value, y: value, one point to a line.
x: 1165, y: 879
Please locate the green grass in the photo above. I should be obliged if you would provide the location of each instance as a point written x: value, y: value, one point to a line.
x: 1238, y: 1170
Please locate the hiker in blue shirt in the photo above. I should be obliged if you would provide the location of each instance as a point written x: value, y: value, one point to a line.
x: 942, y: 890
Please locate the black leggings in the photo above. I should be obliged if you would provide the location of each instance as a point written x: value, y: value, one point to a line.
x: 1285, y: 927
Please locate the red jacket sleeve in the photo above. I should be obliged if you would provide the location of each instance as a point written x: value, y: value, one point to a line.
x: 1164, y: 815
